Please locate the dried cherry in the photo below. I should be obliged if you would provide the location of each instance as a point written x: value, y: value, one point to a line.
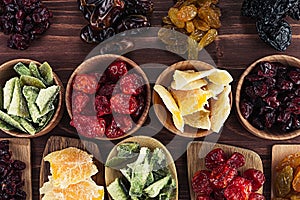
x: 132, y: 84
x: 141, y: 105
x: 79, y: 101
x: 222, y: 175
x: 113, y: 131
x: 256, y: 177
x: 124, y: 104
x: 238, y: 189
x: 89, y: 126
x: 236, y: 160
x: 102, y: 105
x: 215, y: 158
x: 201, y: 183
x: 116, y: 70
x: 86, y: 83
x: 107, y: 90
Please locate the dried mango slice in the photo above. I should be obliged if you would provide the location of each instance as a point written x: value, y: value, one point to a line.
x: 220, y: 77
x: 46, y: 72
x: 21, y: 69
x: 46, y: 97
x: 191, y: 101
x: 32, y: 81
x: 220, y: 109
x: 190, y: 86
x: 198, y: 119
x: 8, y: 92
x: 215, y: 89
x: 18, y: 105
x: 171, y: 105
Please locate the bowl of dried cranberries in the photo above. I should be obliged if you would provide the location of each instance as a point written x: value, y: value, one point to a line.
x: 108, y: 97
x: 268, y: 97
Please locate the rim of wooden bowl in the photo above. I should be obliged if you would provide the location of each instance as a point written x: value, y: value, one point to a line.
x: 144, y: 141
x: 165, y: 79
x: 89, y: 66
x: 265, y: 134
x: 8, y: 66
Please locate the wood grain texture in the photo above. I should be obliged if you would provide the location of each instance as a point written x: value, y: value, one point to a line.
x: 196, y: 152
x: 279, y: 152
x: 56, y: 143
x: 21, y: 150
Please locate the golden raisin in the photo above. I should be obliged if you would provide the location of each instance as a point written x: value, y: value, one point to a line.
x: 210, y: 16
x: 200, y: 24
x: 189, y: 27
x: 208, y: 38
x: 173, y: 17
x: 187, y: 13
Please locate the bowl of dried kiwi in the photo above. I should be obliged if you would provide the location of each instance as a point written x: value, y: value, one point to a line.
x: 31, y: 98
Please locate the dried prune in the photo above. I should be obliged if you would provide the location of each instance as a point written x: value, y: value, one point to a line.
x: 90, y: 35
x: 215, y: 158
x: 201, y: 183
x: 256, y: 177
x: 132, y: 22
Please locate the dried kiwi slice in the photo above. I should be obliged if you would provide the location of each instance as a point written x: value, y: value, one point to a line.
x: 9, y: 120
x: 26, y: 125
x: 21, y: 69
x: 5, y: 126
x: 32, y: 81
x: 46, y: 97
x: 8, y: 92
x: 35, y: 72
x: 46, y: 72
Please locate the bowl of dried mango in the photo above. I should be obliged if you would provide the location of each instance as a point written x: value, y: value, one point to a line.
x: 31, y: 98
x: 192, y: 98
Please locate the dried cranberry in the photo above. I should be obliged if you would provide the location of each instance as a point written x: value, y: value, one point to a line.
x: 295, y: 76
x: 222, y: 175
x: 260, y: 89
x: 86, y: 83
x: 102, y: 105
x: 201, y: 184
x: 256, y: 196
x: 18, y: 165
x: 215, y: 158
x: 246, y: 108
x: 267, y: 69
x: 283, y: 116
x: 236, y: 160
x: 132, y: 84
x: 124, y: 104
x: 238, y: 189
x: 284, y: 84
x: 250, y: 92
x: 256, y: 122
x: 79, y: 101
x: 253, y: 77
x: 256, y: 177
x: 113, y: 131
x: 124, y: 122
x: 116, y: 70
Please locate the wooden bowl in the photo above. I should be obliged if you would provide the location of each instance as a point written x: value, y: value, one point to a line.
x: 144, y: 141
x: 265, y: 134
x: 8, y: 72
x: 165, y: 79
x: 99, y: 64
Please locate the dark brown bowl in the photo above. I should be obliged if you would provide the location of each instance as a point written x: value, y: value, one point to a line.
x: 160, y: 109
x: 8, y: 72
x: 99, y: 64
x: 265, y: 134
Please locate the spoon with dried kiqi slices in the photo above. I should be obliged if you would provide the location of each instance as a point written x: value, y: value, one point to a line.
x: 199, y: 99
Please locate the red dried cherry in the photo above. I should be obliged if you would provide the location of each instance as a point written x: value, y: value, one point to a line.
x: 256, y: 177
x: 132, y: 84
x: 236, y: 160
x: 238, y: 189
x: 116, y: 70
x: 201, y: 184
x: 89, y: 126
x: 124, y: 104
x: 86, y: 83
x: 107, y: 90
x: 215, y: 158
x: 79, y: 101
x: 102, y: 105
x: 222, y: 175
x: 113, y: 131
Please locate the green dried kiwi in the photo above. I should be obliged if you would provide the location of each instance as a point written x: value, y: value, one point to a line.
x: 18, y: 105
x: 46, y: 97
x: 9, y: 120
x: 1, y: 98
x: 35, y: 71
x: 8, y: 92
x: 21, y: 69
x: 30, y: 93
x: 46, y: 119
x: 25, y: 124
x: 46, y: 72
x: 5, y: 126
x: 32, y: 81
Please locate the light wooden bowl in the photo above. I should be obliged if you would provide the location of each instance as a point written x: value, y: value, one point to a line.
x: 144, y: 141
x: 8, y: 72
x: 99, y: 64
x: 265, y: 134
x: 165, y: 79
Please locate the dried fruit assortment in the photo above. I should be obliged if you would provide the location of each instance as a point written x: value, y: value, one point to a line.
x: 71, y: 171
x: 270, y: 23
x: 199, y: 99
x: 24, y: 21
x: 109, y: 17
x: 197, y: 19
x: 108, y: 104
x: 287, y: 177
x: 145, y: 174
x: 11, y: 181
x: 270, y: 97
x: 29, y: 101
x: 222, y: 180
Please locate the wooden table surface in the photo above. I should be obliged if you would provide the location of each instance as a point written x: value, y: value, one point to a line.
x: 237, y: 46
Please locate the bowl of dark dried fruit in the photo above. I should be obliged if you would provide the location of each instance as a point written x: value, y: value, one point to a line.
x: 108, y: 97
x: 31, y: 98
x: 268, y: 97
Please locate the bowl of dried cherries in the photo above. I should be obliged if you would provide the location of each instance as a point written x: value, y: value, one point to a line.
x: 268, y: 97
x: 108, y: 97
